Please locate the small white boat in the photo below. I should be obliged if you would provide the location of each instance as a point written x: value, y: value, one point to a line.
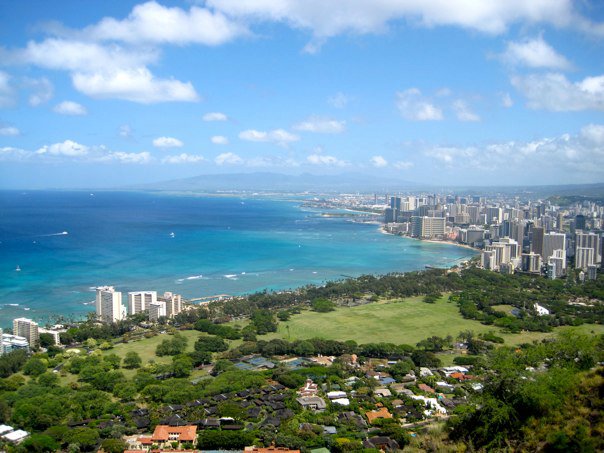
x: 18, y: 269
x: 172, y: 234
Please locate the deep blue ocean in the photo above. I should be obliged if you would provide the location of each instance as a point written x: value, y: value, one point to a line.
x: 220, y: 245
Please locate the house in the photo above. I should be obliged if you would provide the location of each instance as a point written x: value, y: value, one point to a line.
x: 433, y: 404
x: 341, y: 401
x: 164, y: 433
x: 382, y: 392
x: 425, y: 372
x: 312, y: 402
x: 353, y: 418
x: 336, y: 394
x: 374, y: 415
x: 381, y: 443
x: 426, y: 388
x: 309, y: 389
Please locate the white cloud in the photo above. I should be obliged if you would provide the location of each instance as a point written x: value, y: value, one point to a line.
x: 228, y: 159
x: 126, y: 158
x: 378, y: 161
x: 70, y: 108
x: 322, y: 159
x: 137, y: 85
x: 403, y: 165
x: 125, y: 131
x: 183, y: 159
x: 506, y: 100
x: 321, y: 125
x: 413, y: 106
x: 107, y: 71
x: 279, y: 136
x: 9, y: 131
x: 7, y: 92
x: 42, y: 90
x: 219, y: 140
x: 463, y: 112
x: 167, y: 142
x: 215, y: 116
x: 534, y: 53
x: 151, y: 22
x: 555, y: 92
x: 67, y: 148
x: 325, y: 19
x: 582, y: 153
x: 338, y: 100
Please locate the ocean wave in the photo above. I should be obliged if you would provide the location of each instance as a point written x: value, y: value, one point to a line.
x: 62, y: 233
x: 89, y: 303
x: 194, y: 277
x: 231, y: 276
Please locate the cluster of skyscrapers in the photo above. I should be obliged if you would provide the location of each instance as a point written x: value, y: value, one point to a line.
x: 109, y: 307
x: 513, y: 235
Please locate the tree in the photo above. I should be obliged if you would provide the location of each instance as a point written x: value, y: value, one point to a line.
x: 34, y: 367
x: 174, y: 346
x: 322, y: 305
x: 40, y: 443
x: 86, y: 438
x: 210, y: 343
x: 264, y: 321
x: 114, y: 445
x: 182, y: 366
x: 46, y: 340
x: 132, y: 360
x: 48, y: 379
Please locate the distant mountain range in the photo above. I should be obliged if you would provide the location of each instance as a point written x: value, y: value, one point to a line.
x: 353, y: 183
x: 275, y: 182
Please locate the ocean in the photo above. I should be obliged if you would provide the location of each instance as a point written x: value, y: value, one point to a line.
x: 67, y: 243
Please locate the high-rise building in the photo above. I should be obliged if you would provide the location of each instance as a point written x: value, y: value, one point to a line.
x: 428, y: 227
x: 109, y: 304
x: 537, y: 240
x: 558, y: 261
x: 551, y: 242
x: 592, y: 272
x: 395, y: 203
x: 589, y: 240
x: 173, y: 303
x: 390, y: 215
x: 28, y: 329
x: 156, y: 310
x: 531, y: 262
x: 584, y: 257
x: 579, y: 222
x: 138, y: 301
x: 494, y: 215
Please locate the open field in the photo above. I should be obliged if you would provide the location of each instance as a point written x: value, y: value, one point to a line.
x: 402, y: 322
x: 507, y: 309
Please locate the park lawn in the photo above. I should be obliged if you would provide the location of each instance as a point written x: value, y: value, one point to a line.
x: 146, y: 347
x: 507, y: 309
x: 406, y: 321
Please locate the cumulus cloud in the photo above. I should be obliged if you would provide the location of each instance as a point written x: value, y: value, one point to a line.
x: 9, y: 131
x: 151, y: 22
x: 323, y: 159
x: 534, y: 53
x: 553, y: 91
x: 67, y: 148
x: 167, y: 142
x: 42, y: 90
x: 582, y: 152
x: 338, y: 100
x: 463, y: 112
x: 70, y: 108
x: 7, y: 91
x: 125, y: 131
x: 321, y: 125
x: 326, y: 19
x: 219, y: 140
x: 413, y: 106
x: 228, y: 159
x: 215, y: 116
x: 183, y: 158
x: 143, y: 157
x: 278, y: 136
x: 107, y: 71
x: 378, y: 161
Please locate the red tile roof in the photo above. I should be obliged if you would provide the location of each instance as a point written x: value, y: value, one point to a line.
x: 185, y: 433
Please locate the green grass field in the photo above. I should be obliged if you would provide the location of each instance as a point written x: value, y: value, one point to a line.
x: 403, y: 322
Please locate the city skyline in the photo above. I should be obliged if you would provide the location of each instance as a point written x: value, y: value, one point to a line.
x: 452, y: 93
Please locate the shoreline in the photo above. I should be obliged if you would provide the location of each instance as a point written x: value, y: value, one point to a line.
x: 432, y: 241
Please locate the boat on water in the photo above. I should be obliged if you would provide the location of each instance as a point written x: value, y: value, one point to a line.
x: 172, y: 234
x: 18, y: 269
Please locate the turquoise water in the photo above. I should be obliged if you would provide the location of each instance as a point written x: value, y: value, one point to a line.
x: 220, y: 245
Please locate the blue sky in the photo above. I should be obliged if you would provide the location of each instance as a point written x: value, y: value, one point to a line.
x: 110, y: 93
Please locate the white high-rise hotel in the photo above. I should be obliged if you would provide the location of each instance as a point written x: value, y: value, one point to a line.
x: 28, y: 329
x: 109, y: 304
x: 139, y: 301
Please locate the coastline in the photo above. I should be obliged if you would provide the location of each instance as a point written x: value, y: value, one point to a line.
x: 432, y: 241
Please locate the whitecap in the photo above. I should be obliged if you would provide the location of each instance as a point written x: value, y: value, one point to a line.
x: 26, y: 308
x: 231, y: 276
x: 243, y: 273
x: 314, y: 272
x: 12, y: 305
x: 194, y: 277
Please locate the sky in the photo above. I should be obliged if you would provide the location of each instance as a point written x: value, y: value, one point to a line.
x: 459, y: 92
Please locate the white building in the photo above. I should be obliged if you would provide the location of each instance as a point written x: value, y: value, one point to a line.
x: 157, y: 310
x: 584, y: 257
x: 428, y: 227
x: 551, y: 242
x: 24, y: 327
x: 173, y: 303
x: 139, y: 301
x: 591, y: 241
x: 10, y: 343
x: 109, y: 304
